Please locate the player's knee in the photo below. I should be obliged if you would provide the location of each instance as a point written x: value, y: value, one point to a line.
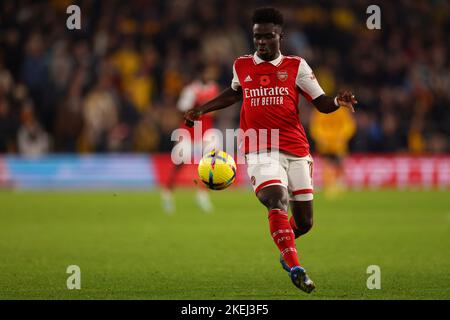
x: 274, y: 198
x: 278, y: 202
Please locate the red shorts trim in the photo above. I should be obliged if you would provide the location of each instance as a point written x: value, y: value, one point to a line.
x: 302, y: 191
x: 262, y: 185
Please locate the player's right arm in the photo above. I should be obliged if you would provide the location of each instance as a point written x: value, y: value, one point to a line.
x: 226, y: 98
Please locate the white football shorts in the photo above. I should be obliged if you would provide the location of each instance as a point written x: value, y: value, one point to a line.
x: 278, y: 168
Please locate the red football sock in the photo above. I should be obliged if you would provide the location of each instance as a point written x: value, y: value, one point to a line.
x: 283, y: 236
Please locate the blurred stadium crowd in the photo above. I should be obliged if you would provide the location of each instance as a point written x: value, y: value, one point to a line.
x: 113, y: 85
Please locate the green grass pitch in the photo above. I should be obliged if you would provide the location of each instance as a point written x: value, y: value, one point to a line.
x: 127, y: 248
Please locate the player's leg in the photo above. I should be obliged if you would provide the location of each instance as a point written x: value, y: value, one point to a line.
x: 299, y: 174
x: 173, y: 174
x: 340, y: 173
x: 301, y: 221
x: 276, y: 199
x: 269, y: 180
x: 302, y: 217
x: 208, y: 144
x: 168, y: 202
x: 167, y: 192
x: 203, y: 200
x: 332, y: 176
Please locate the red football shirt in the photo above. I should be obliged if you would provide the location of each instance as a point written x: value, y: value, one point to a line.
x: 196, y: 94
x: 270, y: 91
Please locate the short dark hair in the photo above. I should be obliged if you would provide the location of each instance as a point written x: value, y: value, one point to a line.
x: 267, y: 15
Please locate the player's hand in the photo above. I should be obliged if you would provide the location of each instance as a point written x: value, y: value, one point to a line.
x: 191, y: 116
x: 346, y: 99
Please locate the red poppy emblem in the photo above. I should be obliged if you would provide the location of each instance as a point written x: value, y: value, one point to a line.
x: 264, y: 80
x: 282, y: 75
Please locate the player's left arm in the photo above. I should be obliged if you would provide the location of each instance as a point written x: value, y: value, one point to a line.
x: 327, y: 104
x: 310, y: 88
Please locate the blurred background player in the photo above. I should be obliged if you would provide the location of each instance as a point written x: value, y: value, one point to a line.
x: 331, y: 134
x: 196, y: 93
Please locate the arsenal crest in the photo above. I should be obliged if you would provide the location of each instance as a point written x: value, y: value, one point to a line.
x: 282, y: 75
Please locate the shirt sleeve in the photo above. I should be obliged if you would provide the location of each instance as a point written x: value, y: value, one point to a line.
x: 307, y: 82
x: 235, y: 84
x: 187, y: 99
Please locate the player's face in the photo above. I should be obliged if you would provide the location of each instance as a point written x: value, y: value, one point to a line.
x: 266, y: 37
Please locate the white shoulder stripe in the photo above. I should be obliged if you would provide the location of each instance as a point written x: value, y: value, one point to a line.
x: 294, y: 57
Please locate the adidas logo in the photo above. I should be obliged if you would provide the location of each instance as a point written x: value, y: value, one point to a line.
x: 248, y: 79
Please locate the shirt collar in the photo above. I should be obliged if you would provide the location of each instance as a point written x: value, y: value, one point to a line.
x: 275, y: 62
